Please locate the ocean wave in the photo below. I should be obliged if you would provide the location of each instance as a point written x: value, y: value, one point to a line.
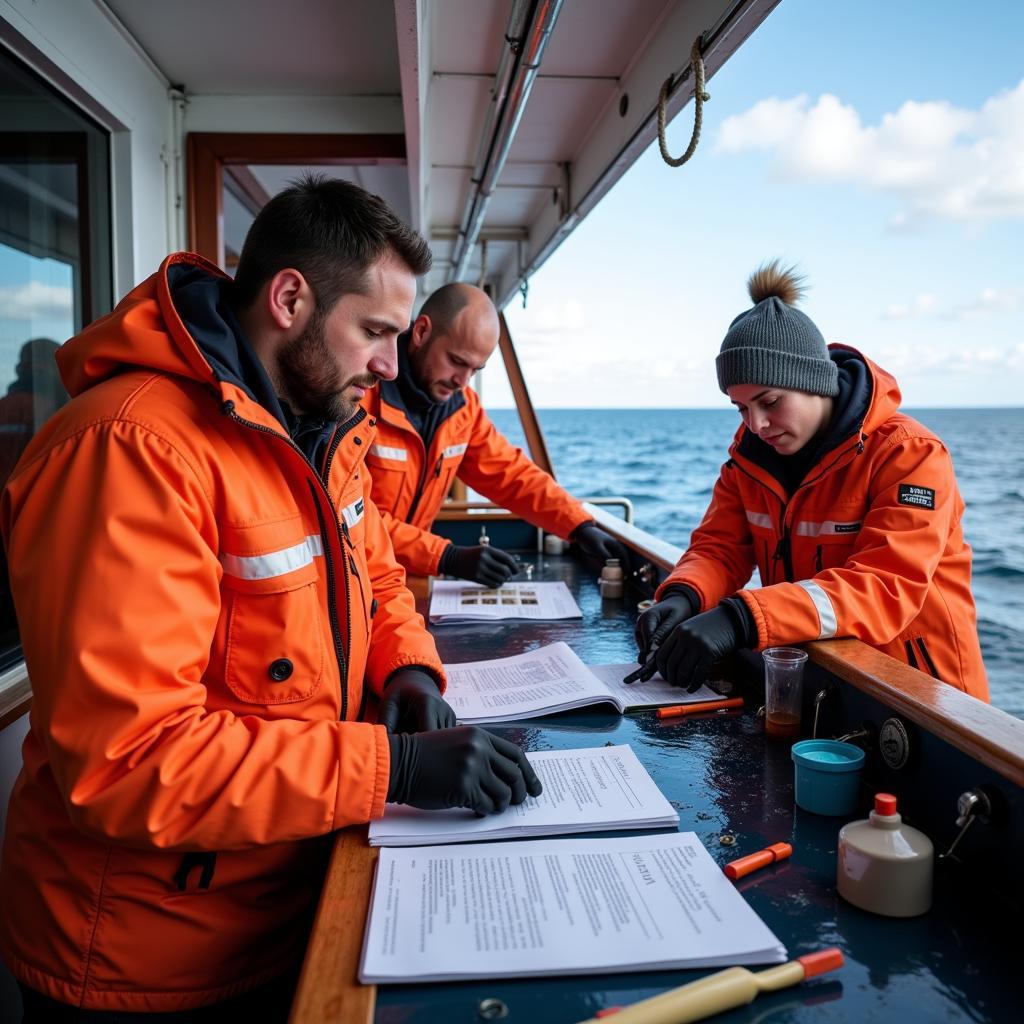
x: 999, y: 572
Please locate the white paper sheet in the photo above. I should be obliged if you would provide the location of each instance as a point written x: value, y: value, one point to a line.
x: 458, y: 601
x: 595, y: 789
x: 557, y: 906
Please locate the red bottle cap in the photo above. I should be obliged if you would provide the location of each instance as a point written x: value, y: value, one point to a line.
x: 885, y: 804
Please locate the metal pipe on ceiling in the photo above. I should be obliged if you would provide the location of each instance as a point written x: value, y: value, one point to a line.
x: 529, y: 30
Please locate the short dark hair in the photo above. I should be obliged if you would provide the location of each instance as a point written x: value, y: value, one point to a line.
x: 445, y: 305
x: 329, y: 230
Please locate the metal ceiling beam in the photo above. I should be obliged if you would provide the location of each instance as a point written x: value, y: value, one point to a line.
x: 529, y: 30
x: 414, y: 61
x: 623, y: 131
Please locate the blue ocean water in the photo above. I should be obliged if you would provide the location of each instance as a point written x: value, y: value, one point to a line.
x: 667, y: 460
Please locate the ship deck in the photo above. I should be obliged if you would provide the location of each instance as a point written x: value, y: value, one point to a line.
x: 955, y: 963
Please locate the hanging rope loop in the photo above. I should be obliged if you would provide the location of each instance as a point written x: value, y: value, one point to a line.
x: 700, y: 97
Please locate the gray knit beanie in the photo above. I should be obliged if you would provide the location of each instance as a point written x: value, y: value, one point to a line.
x: 773, y: 343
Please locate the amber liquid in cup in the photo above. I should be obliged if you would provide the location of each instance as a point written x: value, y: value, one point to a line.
x: 783, y: 679
x: 782, y: 725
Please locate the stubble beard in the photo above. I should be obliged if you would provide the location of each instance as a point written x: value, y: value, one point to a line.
x: 309, y: 379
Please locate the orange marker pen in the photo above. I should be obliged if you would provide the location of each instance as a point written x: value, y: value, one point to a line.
x: 744, y: 865
x: 679, y: 710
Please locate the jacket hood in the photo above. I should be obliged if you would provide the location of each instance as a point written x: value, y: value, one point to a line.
x: 179, y: 323
x: 143, y: 332
x: 885, y: 392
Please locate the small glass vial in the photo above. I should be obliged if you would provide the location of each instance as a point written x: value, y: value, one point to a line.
x: 884, y: 865
x: 611, y: 583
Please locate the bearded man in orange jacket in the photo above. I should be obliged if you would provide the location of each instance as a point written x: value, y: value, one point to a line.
x: 432, y: 428
x: 206, y: 595
x: 848, y: 508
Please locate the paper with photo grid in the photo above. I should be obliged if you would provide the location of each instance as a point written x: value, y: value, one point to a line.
x: 577, y: 905
x: 459, y: 601
x: 596, y: 789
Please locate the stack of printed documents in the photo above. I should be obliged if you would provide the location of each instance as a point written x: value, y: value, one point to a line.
x: 557, y: 906
x: 596, y: 789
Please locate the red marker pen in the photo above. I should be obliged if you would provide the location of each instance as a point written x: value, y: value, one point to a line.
x: 745, y: 865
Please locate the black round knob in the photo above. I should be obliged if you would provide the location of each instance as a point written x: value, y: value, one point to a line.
x: 280, y: 669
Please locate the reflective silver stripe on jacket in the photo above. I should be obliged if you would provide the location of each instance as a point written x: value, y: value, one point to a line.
x: 809, y: 529
x: 273, y: 563
x: 760, y: 519
x: 455, y: 449
x: 382, y: 451
x: 827, y: 623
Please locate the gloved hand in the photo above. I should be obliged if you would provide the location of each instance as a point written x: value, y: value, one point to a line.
x: 413, y: 703
x: 462, y: 767
x: 660, y: 619
x: 686, y: 655
x: 483, y: 564
x: 595, y: 543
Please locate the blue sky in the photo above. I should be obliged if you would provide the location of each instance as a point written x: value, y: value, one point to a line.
x: 879, y: 147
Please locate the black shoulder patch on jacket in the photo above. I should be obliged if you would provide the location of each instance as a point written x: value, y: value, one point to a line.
x: 919, y: 497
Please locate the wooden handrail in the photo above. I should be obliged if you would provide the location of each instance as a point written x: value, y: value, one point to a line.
x: 329, y: 989
x: 983, y: 732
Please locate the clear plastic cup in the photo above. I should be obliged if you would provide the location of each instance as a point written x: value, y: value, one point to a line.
x: 783, y: 679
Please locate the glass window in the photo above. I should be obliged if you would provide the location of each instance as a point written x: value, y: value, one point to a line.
x: 55, y: 267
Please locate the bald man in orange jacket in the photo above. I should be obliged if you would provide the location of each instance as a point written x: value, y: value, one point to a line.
x: 431, y: 428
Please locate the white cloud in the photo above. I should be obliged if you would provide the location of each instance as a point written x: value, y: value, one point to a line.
x: 922, y: 358
x: 35, y: 300
x: 988, y: 300
x: 940, y: 160
x: 922, y: 305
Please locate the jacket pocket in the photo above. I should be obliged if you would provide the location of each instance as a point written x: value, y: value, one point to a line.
x: 275, y: 644
x: 391, y: 483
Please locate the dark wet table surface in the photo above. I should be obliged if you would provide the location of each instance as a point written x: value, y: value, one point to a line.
x: 727, y: 780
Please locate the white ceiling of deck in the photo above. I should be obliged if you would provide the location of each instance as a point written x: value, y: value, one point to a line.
x: 334, y: 48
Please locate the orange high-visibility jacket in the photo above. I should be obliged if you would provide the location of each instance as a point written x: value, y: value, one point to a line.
x: 869, y: 546
x: 411, y: 483
x: 199, y: 615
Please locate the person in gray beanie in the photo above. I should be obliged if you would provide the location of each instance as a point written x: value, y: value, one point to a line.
x: 848, y: 509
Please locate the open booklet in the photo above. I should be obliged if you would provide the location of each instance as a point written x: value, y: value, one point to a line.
x: 557, y: 906
x: 597, y: 789
x: 458, y: 601
x: 549, y: 679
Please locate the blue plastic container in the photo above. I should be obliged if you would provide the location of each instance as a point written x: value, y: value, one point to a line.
x: 827, y: 776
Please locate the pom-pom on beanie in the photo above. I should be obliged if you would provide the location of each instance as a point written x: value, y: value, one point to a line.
x: 773, y: 343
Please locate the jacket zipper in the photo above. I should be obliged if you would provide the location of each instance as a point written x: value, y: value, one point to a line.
x: 340, y: 650
x: 783, y: 550
x: 423, y: 483
x: 817, y: 560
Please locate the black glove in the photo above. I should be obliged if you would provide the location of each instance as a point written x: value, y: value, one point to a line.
x: 483, y: 564
x: 595, y: 543
x: 462, y: 767
x: 686, y: 655
x: 413, y: 703
x: 660, y: 619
